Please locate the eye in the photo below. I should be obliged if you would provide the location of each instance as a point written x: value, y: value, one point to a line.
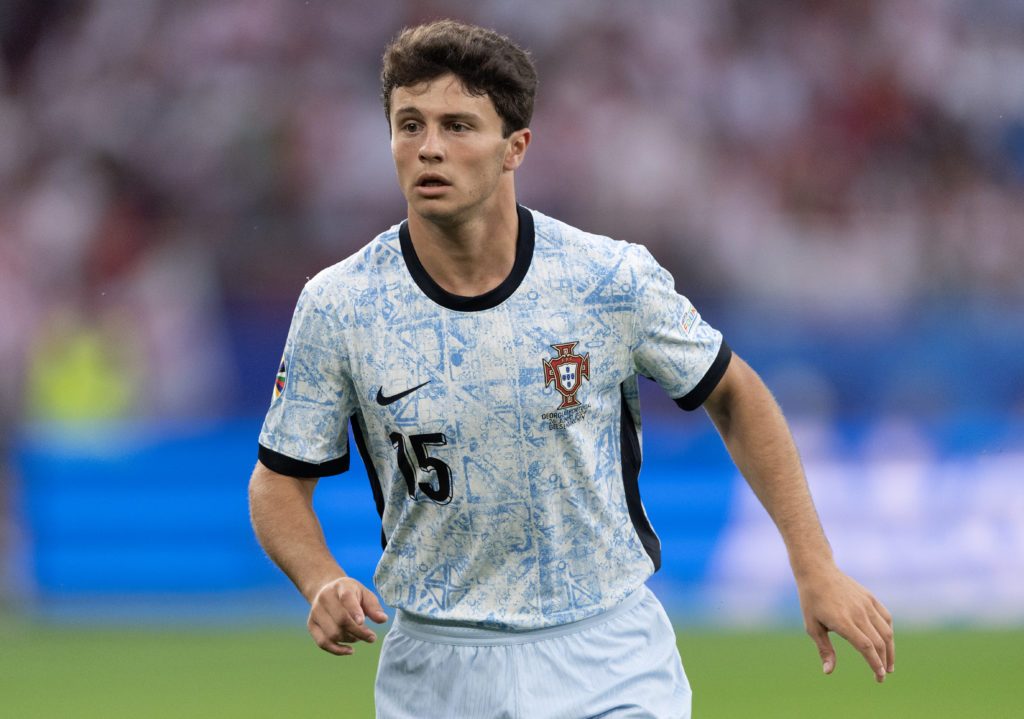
x: 458, y: 127
x: 410, y: 127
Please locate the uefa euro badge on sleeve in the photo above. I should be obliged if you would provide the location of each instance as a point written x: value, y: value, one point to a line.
x: 282, y: 375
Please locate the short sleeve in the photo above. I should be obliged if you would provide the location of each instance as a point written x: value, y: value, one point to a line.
x: 673, y: 345
x: 305, y: 432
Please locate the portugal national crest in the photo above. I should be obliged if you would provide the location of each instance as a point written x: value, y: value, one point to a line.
x: 567, y: 371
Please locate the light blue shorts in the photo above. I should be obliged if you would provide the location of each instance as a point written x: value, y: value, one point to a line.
x: 621, y: 663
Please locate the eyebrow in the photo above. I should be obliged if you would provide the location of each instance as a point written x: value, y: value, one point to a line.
x: 447, y: 117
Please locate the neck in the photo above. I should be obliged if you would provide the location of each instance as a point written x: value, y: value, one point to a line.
x: 471, y: 257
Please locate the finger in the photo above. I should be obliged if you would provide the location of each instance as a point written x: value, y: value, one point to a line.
x: 329, y: 635
x: 881, y: 635
x: 826, y: 651
x: 333, y: 619
x: 887, y: 649
x: 358, y: 632
x: 339, y: 612
x: 891, y: 653
x: 372, y: 607
x: 884, y: 631
x: 353, y: 621
x: 327, y: 643
x: 885, y: 628
x: 871, y: 647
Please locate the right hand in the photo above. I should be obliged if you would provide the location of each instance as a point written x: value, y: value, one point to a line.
x: 338, y: 614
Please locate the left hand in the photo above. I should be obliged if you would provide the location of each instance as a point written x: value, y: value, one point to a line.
x: 833, y: 602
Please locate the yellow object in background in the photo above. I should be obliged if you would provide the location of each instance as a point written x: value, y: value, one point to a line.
x: 82, y: 370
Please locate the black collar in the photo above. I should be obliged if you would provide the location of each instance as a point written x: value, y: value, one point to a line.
x: 492, y: 298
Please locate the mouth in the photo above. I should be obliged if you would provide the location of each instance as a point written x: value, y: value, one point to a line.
x: 431, y: 182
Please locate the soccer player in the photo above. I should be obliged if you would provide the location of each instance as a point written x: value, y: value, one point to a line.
x: 486, y: 358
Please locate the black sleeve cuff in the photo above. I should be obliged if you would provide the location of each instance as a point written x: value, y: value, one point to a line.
x: 695, y: 397
x: 296, y: 468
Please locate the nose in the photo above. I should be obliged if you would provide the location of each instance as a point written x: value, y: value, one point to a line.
x: 432, y: 147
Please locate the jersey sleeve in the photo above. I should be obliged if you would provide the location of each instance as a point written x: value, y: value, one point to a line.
x: 305, y: 432
x: 673, y: 345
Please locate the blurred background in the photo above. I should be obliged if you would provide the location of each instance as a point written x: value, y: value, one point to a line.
x: 837, y: 186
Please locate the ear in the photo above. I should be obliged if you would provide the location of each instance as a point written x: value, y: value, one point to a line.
x: 515, y: 151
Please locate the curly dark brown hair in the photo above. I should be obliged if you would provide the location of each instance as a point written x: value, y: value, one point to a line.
x: 486, y: 62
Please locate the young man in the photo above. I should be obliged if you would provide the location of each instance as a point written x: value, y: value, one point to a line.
x: 486, y: 357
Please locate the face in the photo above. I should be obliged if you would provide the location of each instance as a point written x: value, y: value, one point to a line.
x: 453, y: 163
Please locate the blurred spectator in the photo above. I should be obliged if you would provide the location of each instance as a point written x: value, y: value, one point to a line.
x: 161, y: 161
x: 828, y: 126
x: 171, y: 172
x: 129, y: 326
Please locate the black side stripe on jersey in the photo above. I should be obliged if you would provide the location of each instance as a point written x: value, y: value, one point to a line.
x: 291, y: 467
x: 695, y: 397
x: 371, y: 472
x: 630, y: 443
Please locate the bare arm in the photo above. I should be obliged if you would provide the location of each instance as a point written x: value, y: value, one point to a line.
x: 759, y: 441
x: 287, y: 527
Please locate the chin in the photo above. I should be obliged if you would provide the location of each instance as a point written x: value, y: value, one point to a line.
x: 436, y: 213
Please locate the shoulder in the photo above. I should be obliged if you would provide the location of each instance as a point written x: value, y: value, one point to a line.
x: 351, y: 277
x: 591, y: 253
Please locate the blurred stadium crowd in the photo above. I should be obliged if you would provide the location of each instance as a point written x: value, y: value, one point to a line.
x: 161, y: 162
x: 172, y: 171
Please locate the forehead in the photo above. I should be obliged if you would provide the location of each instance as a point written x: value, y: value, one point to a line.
x: 443, y: 95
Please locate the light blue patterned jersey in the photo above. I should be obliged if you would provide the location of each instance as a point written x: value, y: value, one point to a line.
x: 501, y: 432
